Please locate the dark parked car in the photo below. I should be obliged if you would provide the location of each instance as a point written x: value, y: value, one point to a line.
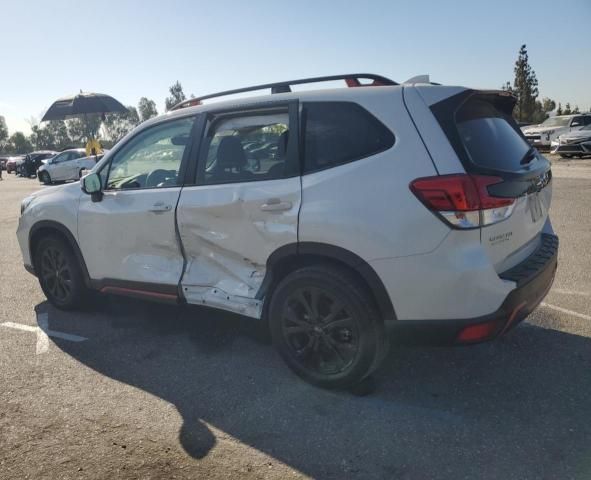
x: 33, y: 161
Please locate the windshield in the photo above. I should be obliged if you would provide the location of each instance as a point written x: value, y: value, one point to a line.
x: 489, y: 138
x: 556, y: 122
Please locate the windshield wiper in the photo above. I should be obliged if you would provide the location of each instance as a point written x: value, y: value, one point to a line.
x: 529, y: 156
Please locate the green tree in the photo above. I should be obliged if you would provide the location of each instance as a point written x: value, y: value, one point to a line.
x: 567, y: 110
x: 176, y: 95
x: 548, y: 105
x: 507, y: 87
x: 541, y: 110
x: 117, y: 125
x: 576, y: 109
x: 147, y: 109
x: 81, y: 129
x: 59, y: 132
x: 525, y: 87
x: 3, y: 133
x: 53, y: 135
x: 559, y: 111
x: 19, y: 143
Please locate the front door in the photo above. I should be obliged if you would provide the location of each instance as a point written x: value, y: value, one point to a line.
x: 244, y: 205
x: 59, y: 166
x: 129, y: 239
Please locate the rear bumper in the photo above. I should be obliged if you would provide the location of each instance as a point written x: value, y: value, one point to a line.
x: 533, y: 278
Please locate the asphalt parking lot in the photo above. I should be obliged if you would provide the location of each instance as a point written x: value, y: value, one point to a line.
x: 129, y: 389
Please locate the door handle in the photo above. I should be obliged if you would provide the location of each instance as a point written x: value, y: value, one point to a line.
x: 159, y: 207
x: 275, y: 205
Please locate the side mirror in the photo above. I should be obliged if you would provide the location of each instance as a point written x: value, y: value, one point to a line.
x: 575, y: 124
x: 91, y: 185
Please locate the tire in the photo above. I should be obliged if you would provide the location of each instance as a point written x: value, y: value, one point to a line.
x: 565, y: 155
x: 45, y: 178
x: 80, y: 173
x: 59, y: 273
x: 326, y: 327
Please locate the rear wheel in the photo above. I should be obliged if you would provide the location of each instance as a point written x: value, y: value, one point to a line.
x: 325, y: 326
x: 59, y: 273
x: 45, y: 178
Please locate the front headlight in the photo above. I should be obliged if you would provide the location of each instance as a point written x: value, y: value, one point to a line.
x: 25, y: 203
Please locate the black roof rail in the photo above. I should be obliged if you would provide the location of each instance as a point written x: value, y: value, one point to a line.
x: 351, y: 79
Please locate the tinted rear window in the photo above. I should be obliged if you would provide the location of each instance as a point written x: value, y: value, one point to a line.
x: 489, y: 136
x: 341, y: 132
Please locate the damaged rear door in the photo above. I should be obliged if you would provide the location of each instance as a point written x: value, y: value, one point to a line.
x: 241, y: 206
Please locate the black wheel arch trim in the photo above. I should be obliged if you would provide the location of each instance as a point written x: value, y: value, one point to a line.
x: 330, y: 252
x: 65, y: 231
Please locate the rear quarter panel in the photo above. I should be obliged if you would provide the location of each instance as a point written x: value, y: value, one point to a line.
x: 366, y: 206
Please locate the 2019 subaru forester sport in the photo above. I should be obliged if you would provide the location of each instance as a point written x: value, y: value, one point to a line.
x: 327, y: 213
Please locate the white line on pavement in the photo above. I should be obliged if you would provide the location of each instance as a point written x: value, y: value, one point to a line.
x: 42, y: 338
x: 43, y: 333
x: 570, y: 312
x: 570, y: 292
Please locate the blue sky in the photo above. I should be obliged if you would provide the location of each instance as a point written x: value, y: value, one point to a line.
x: 130, y: 49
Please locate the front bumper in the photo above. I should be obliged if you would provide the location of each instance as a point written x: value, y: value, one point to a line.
x: 539, y: 141
x: 580, y: 148
x: 533, y: 278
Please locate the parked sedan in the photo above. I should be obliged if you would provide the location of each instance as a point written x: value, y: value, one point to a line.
x: 11, y: 163
x: 573, y: 144
x: 3, y: 160
x: 67, y: 165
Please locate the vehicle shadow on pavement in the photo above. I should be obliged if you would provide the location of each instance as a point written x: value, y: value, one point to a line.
x: 519, y: 407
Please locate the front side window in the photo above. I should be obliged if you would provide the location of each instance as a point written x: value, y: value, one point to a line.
x: 151, y: 159
x: 341, y: 132
x: 577, y: 122
x: 245, y: 147
x: 62, y: 157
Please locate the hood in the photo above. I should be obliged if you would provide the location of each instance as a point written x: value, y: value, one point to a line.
x: 68, y: 188
x: 539, y: 128
x: 575, y: 134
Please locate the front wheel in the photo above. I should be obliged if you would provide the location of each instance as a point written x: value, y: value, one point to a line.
x: 326, y: 327
x: 565, y: 155
x: 59, y: 273
x: 45, y: 178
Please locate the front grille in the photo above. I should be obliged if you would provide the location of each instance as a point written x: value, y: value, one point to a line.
x: 535, y: 263
x: 569, y: 149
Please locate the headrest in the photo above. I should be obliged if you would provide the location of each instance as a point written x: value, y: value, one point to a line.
x: 231, y: 154
x: 282, y: 144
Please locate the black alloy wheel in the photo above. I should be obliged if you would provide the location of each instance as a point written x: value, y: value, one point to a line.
x: 326, y: 327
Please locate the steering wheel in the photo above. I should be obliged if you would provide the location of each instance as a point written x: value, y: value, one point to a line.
x: 156, y: 177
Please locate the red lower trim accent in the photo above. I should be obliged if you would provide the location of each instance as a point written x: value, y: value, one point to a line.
x: 144, y: 293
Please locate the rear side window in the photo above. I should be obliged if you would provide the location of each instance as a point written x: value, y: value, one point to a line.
x: 489, y: 136
x: 341, y: 132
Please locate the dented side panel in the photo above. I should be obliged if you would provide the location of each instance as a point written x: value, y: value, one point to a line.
x: 228, y: 238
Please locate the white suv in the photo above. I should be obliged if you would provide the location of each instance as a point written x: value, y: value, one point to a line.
x: 329, y: 214
x: 544, y: 134
x: 67, y: 165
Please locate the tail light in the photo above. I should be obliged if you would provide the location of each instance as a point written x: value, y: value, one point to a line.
x: 463, y: 200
